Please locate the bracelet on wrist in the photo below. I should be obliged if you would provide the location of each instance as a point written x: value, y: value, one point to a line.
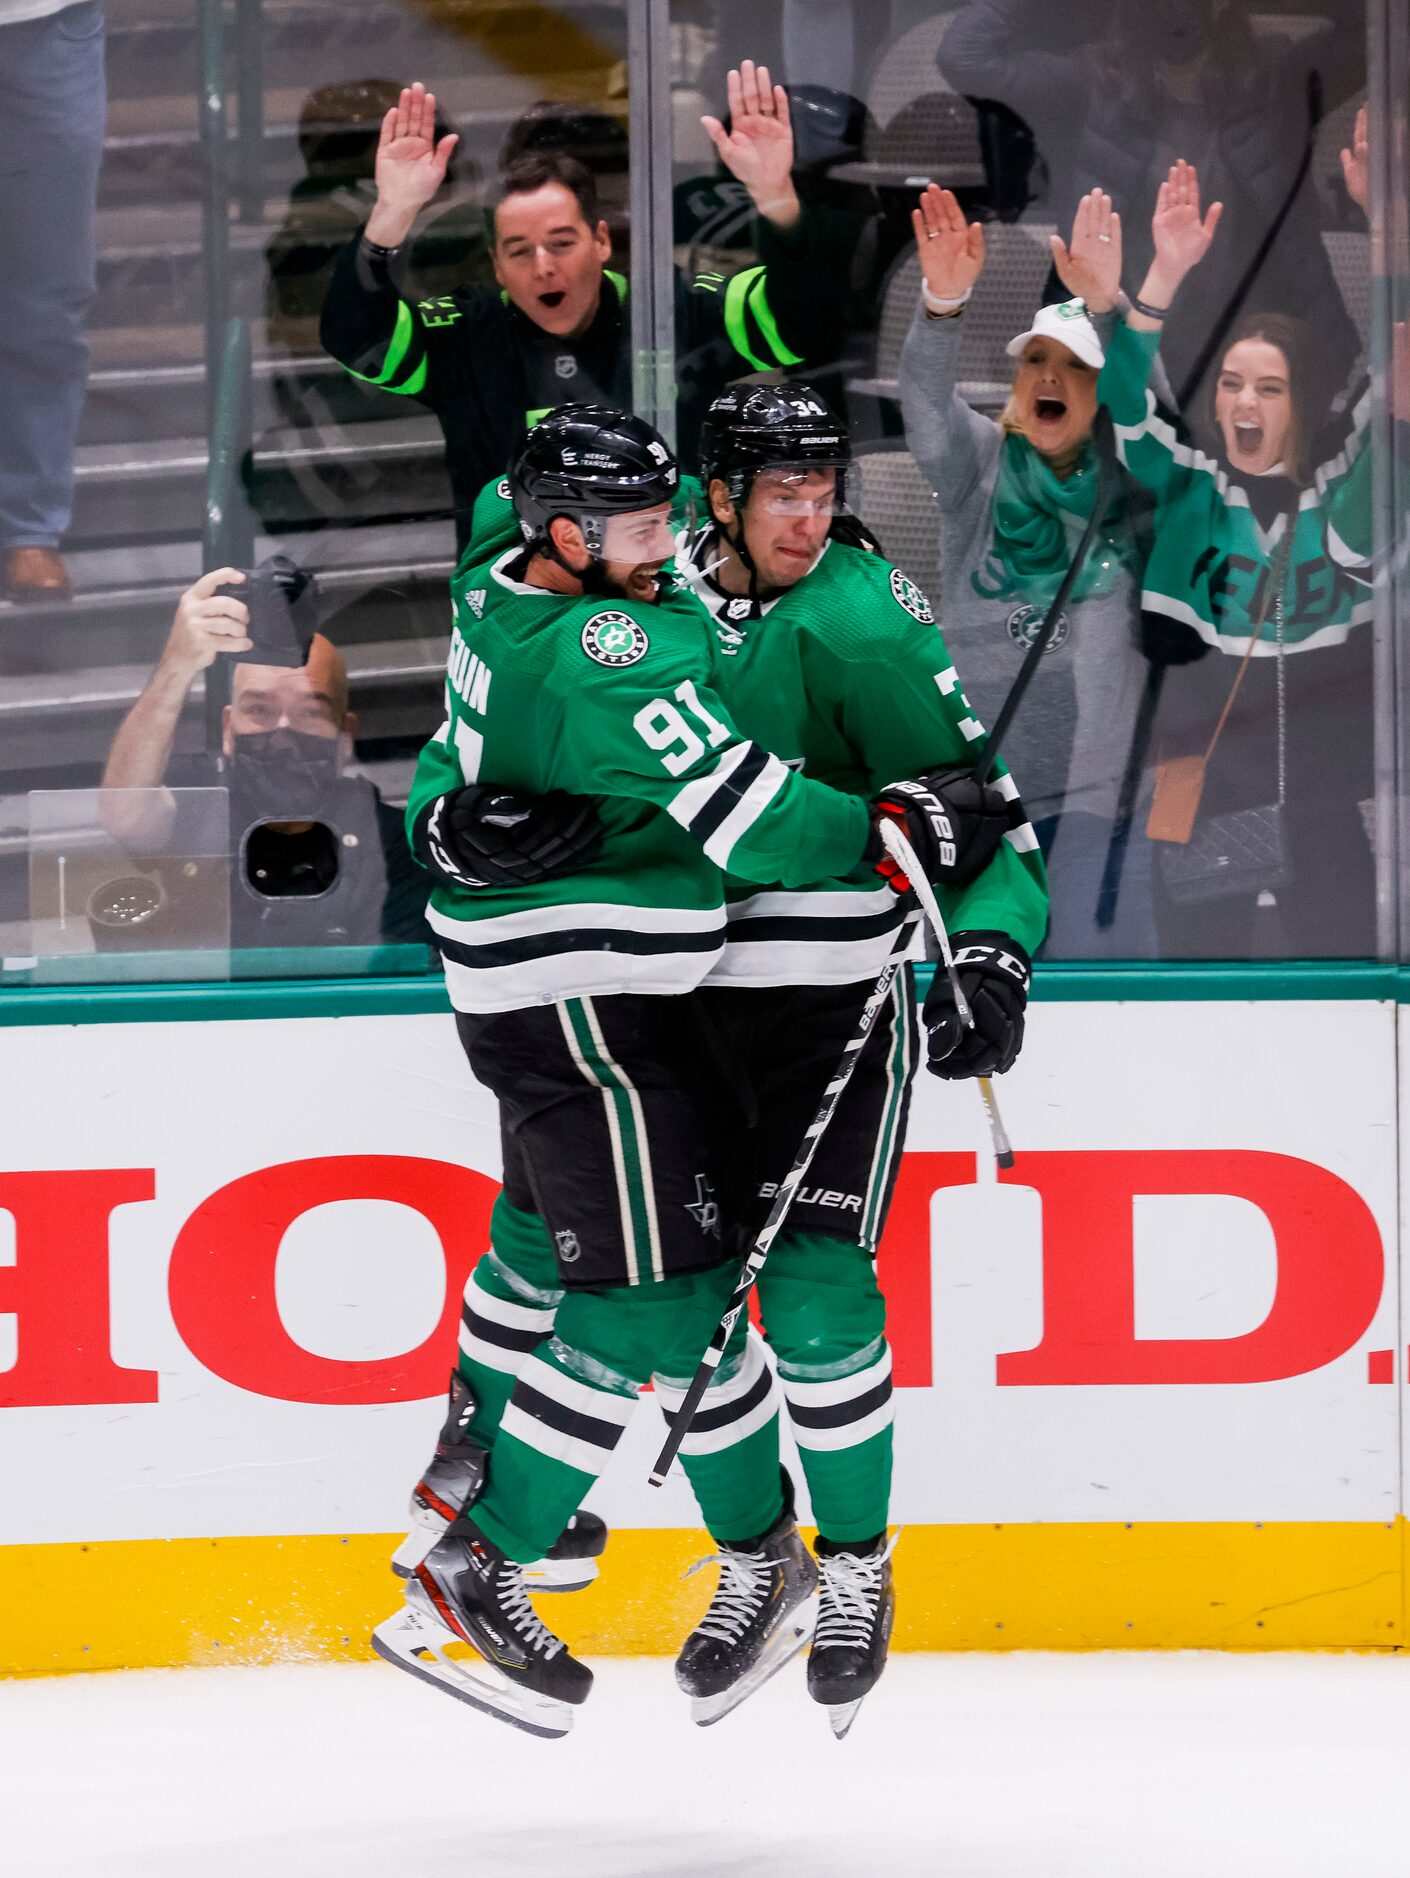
x: 378, y: 252
x: 1148, y: 312
x: 940, y: 304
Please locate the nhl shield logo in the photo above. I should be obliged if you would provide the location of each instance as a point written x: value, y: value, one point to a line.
x: 565, y: 365
x: 906, y: 593
x: 614, y: 639
x: 569, y: 1251
x: 1026, y: 622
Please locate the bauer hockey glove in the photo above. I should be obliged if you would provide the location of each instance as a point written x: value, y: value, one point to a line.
x: 480, y: 836
x: 994, y: 972
x: 953, y: 822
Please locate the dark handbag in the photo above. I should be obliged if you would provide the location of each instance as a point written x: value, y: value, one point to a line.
x: 1245, y: 851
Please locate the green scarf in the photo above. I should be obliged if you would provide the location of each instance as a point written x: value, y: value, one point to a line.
x: 1038, y: 518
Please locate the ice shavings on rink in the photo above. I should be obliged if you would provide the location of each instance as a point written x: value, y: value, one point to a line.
x: 959, y: 1767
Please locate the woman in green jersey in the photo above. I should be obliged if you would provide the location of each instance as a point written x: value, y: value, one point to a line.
x: 1258, y: 829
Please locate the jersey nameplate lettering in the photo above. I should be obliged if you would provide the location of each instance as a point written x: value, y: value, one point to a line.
x: 614, y: 639
x: 906, y: 593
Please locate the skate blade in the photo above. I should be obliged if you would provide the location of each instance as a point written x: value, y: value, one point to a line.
x: 559, y: 1574
x: 413, y: 1642
x: 788, y: 1641
x: 841, y: 1715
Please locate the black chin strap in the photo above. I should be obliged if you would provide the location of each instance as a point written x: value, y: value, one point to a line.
x: 741, y: 548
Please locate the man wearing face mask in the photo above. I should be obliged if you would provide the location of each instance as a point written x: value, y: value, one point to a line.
x: 317, y: 857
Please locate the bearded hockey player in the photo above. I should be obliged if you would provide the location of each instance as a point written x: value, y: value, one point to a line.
x: 570, y: 672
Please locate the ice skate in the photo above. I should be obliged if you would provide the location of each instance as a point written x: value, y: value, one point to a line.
x: 856, y: 1609
x: 467, y: 1592
x: 759, y: 1619
x: 451, y: 1481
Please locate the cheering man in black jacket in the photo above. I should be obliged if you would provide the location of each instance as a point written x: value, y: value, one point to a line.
x: 491, y: 364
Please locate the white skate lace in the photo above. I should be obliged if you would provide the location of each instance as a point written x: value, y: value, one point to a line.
x: 743, y: 1587
x: 513, y: 1600
x: 850, y: 1597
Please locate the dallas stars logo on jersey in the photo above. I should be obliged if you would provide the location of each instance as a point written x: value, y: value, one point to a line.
x: 906, y: 593
x: 614, y: 639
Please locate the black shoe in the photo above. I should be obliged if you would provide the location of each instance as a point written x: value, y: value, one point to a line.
x: 856, y: 1609
x: 759, y: 1619
x: 466, y: 1590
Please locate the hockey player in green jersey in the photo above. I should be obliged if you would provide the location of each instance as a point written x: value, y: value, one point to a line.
x: 834, y: 654
x: 570, y: 673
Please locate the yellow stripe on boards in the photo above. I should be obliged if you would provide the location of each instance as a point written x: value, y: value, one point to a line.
x: 154, y: 1603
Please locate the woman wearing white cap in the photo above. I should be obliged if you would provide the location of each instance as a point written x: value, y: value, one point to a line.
x: 1014, y: 496
x: 1265, y: 754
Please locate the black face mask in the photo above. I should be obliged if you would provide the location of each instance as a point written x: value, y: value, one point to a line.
x: 283, y: 775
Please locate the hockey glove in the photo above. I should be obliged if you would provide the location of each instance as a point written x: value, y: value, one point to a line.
x: 480, y: 836
x: 954, y: 823
x: 994, y: 971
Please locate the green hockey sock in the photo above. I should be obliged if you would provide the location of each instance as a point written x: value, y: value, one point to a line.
x: 511, y: 1301
x: 575, y: 1394
x: 731, y: 1453
x: 826, y: 1321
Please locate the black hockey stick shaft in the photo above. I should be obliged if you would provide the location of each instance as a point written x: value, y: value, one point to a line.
x: 1104, y: 443
x: 778, y: 1212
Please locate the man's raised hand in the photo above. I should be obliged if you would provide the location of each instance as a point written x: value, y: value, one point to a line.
x: 411, y: 165
x: 757, y: 149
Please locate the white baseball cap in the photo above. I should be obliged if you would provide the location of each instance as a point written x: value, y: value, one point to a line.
x: 1068, y: 322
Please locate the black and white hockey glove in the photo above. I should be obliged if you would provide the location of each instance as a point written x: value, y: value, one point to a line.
x: 994, y: 972
x: 480, y: 836
x: 954, y: 823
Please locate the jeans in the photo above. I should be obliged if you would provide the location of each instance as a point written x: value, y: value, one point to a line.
x: 52, y: 110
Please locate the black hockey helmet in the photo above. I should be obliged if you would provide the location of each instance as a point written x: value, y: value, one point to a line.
x: 755, y: 427
x: 588, y: 462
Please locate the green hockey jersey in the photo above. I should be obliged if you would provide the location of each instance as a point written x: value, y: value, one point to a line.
x: 614, y: 700
x: 1210, y: 555
x: 846, y: 677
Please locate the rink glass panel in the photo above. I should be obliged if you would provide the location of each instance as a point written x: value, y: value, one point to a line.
x: 188, y: 458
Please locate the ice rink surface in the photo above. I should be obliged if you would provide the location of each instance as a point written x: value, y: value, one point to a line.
x: 1187, y: 1766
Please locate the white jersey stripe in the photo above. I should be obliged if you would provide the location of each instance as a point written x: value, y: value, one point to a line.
x: 746, y: 812
x: 688, y: 800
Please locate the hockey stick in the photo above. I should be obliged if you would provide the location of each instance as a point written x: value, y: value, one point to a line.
x: 906, y: 858
x: 783, y: 1199
x: 1103, y: 441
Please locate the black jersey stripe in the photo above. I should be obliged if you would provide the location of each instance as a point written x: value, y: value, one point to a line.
x: 706, y: 1419
x: 503, y: 1336
x: 567, y: 1421
x: 839, y: 1414
x: 549, y: 945
x: 727, y: 797
x: 774, y: 928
